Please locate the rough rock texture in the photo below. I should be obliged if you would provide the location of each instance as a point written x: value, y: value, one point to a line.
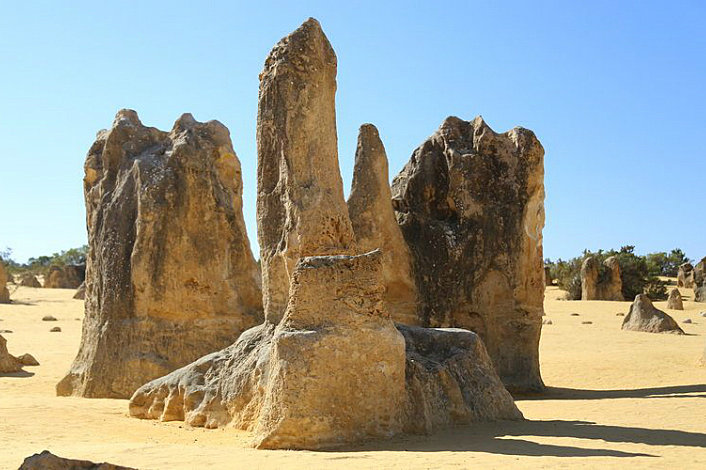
x: 300, y: 204
x: 65, y: 277
x: 48, y: 461
x: 27, y: 360
x: 331, y: 372
x: 470, y: 204
x: 601, y: 282
x: 547, y: 276
x: 674, y: 301
x: 700, y: 281
x: 4, y: 293
x: 81, y: 291
x: 170, y: 273
x: 334, y: 371
x: 643, y: 316
x: 29, y: 280
x: 685, y: 276
x: 8, y: 362
x: 375, y: 226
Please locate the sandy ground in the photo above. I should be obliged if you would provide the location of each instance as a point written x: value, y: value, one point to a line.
x: 616, y: 400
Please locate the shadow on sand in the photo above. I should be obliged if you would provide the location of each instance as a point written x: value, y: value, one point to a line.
x: 18, y: 375
x: 502, y: 438
x: 677, y: 391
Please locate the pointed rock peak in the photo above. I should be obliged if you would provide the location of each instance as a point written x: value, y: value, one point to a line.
x: 185, y: 121
x: 126, y: 117
x: 369, y: 143
x: 642, y: 300
x: 303, y: 47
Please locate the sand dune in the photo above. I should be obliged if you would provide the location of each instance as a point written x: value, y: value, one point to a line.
x: 617, y: 399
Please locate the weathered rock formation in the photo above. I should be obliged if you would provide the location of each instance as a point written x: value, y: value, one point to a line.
x: 300, y: 204
x: 27, y: 359
x: 81, y: 291
x: 29, y: 280
x: 4, y: 293
x: 329, y: 367
x: 470, y: 204
x: 685, y: 276
x: 8, y: 363
x: 170, y: 273
x: 700, y: 281
x: 601, y: 282
x: 48, y: 461
x: 374, y: 225
x: 674, y: 301
x: 334, y: 370
x: 548, y: 276
x: 65, y: 277
x: 643, y: 316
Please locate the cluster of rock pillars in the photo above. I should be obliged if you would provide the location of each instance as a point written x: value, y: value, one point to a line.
x: 406, y: 308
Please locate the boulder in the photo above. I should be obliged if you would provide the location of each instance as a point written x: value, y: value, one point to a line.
x: 27, y: 360
x: 81, y: 292
x: 48, y: 461
x: 55, y: 329
x: 601, y: 282
x: 170, y: 273
x: 375, y: 226
x: 29, y: 280
x: 49, y: 318
x: 674, y: 301
x: 65, y: 277
x: 685, y: 276
x: 334, y: 371
x: 8, y: 363
x: 700, y: 281
x: 4, y: 293
x: 643, y: 316
x: 470, y: 204
x: 300, y: 204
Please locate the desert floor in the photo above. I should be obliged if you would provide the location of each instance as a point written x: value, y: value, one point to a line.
x: 616, y: 399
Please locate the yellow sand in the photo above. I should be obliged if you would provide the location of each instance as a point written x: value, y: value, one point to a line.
x: 619, y: 400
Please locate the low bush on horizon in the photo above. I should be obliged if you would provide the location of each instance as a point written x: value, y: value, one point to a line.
x: 637, y: 273
x: 41, y: 264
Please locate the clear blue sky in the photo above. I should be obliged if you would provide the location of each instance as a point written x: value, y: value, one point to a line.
x: 614, y: 90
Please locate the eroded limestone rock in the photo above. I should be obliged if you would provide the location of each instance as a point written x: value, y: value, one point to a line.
x: 674, y: 301
x: 470, y: 204
x: 300, y: 204
x: 547, y: 276
x: 685, y: 276
x: 48, y: 461
x: 374, y: 225
x: 601, y: 282
x: 65, y: 277
x: 700, y: 281
x: 334, y: 371
x: 29, y: 280
x: 4, y: 293
x: 170, y: 273
x: 81, y: 291
x: 8, y: 363
x: 643, y: 316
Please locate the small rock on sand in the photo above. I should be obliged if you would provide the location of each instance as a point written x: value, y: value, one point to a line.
x: 547, y: 322
x: 587, y: 323
x: 56, y: 329
x: 688, y: 320
x: 619, y: 314
x: 28, y: 360
x: 48, y: 318
x: 5, y: 331
x: 574, y: 314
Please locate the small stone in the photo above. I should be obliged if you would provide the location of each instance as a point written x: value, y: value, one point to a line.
x: 587, y: 323
x: 688, y: 320
x: 5, y: 331
x: 49, y: 318
x: 619, y: 314
x: 56, y: 329
x: 28, y: 360
x: 703, y: 314
x: 574, y: 314
x: 547, y: 321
